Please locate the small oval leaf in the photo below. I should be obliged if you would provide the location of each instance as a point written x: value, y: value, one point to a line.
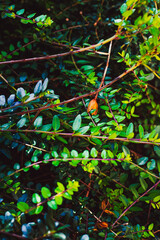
x: 77, y: 123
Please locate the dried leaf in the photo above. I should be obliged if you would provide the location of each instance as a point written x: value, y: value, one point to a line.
x: 103, y: 205
x: 109, y: 212
x: 101, y: 225
x: 93, y: 105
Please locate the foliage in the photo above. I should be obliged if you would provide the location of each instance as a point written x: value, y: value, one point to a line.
x: 79, y: 110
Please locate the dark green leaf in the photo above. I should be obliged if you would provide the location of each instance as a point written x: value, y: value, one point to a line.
x: 56, y: 123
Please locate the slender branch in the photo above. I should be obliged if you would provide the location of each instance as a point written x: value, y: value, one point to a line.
x: 60, y: 54
x: 155, y: 185
x: 13, y: 235
x: 75, y: 98
x: 133, y: 140
x: 106, y: 68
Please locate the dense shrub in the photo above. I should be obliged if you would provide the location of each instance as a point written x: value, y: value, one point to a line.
x: 79, y: 114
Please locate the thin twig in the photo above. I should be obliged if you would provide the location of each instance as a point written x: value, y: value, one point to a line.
x: 75, y: 98
x: 106, y: 68
x: 60, y: 54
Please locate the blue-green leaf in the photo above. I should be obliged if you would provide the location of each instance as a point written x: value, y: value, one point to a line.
x: 45, y: 84
x: 20, y: 93
x: 38, y: 87
x: 2, y: 100
x: 38, y: 121
x: 20, y: 12
x: 77, y: 123
x: 142, y: 160
x: 151, y: 164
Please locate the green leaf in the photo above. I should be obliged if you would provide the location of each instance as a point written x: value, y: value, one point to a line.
x: 20, y: 12
x: 58, y: 200
x: 85, y: 154
x: 22, y: 206
x: 46, y: 127
x: 150, y: 227
x: 46, y: 156
x: 109, y: 114
x: 143, y: 183
x: 112, y: 136
x: 38, y: 122
x: 31, y: 15
x: 11, y: 47
x: 151, y: 164
x: 62, y: 139
x: 52, y: 204
x: 158, y: 165
x: 46, y: 193
x: 38, y: 210
x: 110, y: 154
x: 36, y: 198
x: 21, y: 122
x: 119, y: 118
x: 60, y: 186
x: 157, y: 150
x: 87, y: 67
x: 45, y: 84
x: 141, y: 161
x: 38, y: 87
x: 56, y: 123
x: 83, y: 130
x: 125, y: 150
x: 60, y: 236
x: 123, y: 8
x: 104, y: 154
x: 141, y: 131
x: 77, y: 123
x: 94, y: 162
x: 131, y: 135
x: 94, y: 152
x: 128, y: 13
x: 20, y: 93
x: 67, y: 196
x: 129, y: 129
x: 74, y: 153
